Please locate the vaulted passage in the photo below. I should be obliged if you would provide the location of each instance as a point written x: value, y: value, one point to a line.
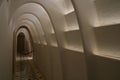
x: 24, y: 66
x: 59, y: 39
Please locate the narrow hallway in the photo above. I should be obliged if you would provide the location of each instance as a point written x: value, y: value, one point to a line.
x: 59, y: 40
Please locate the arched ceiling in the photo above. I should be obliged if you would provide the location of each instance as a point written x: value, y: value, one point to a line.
x: 35, y: 14
x: 49, y: 16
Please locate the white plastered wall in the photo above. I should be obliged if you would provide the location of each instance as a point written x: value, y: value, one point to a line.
x: 5, y: 43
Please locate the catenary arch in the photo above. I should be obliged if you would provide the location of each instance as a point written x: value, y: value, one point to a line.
x: 35, y: 10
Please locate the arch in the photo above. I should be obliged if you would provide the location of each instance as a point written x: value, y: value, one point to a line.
x: 40, y: 13
x: 23, y: 49
x: 38, y: 29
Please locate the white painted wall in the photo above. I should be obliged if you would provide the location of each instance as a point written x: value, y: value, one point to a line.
x: 5, y: 44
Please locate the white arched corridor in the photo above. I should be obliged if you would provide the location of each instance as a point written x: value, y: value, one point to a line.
x: 59, y: 40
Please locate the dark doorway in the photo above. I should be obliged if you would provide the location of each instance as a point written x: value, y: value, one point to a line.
x: 21, y: 43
